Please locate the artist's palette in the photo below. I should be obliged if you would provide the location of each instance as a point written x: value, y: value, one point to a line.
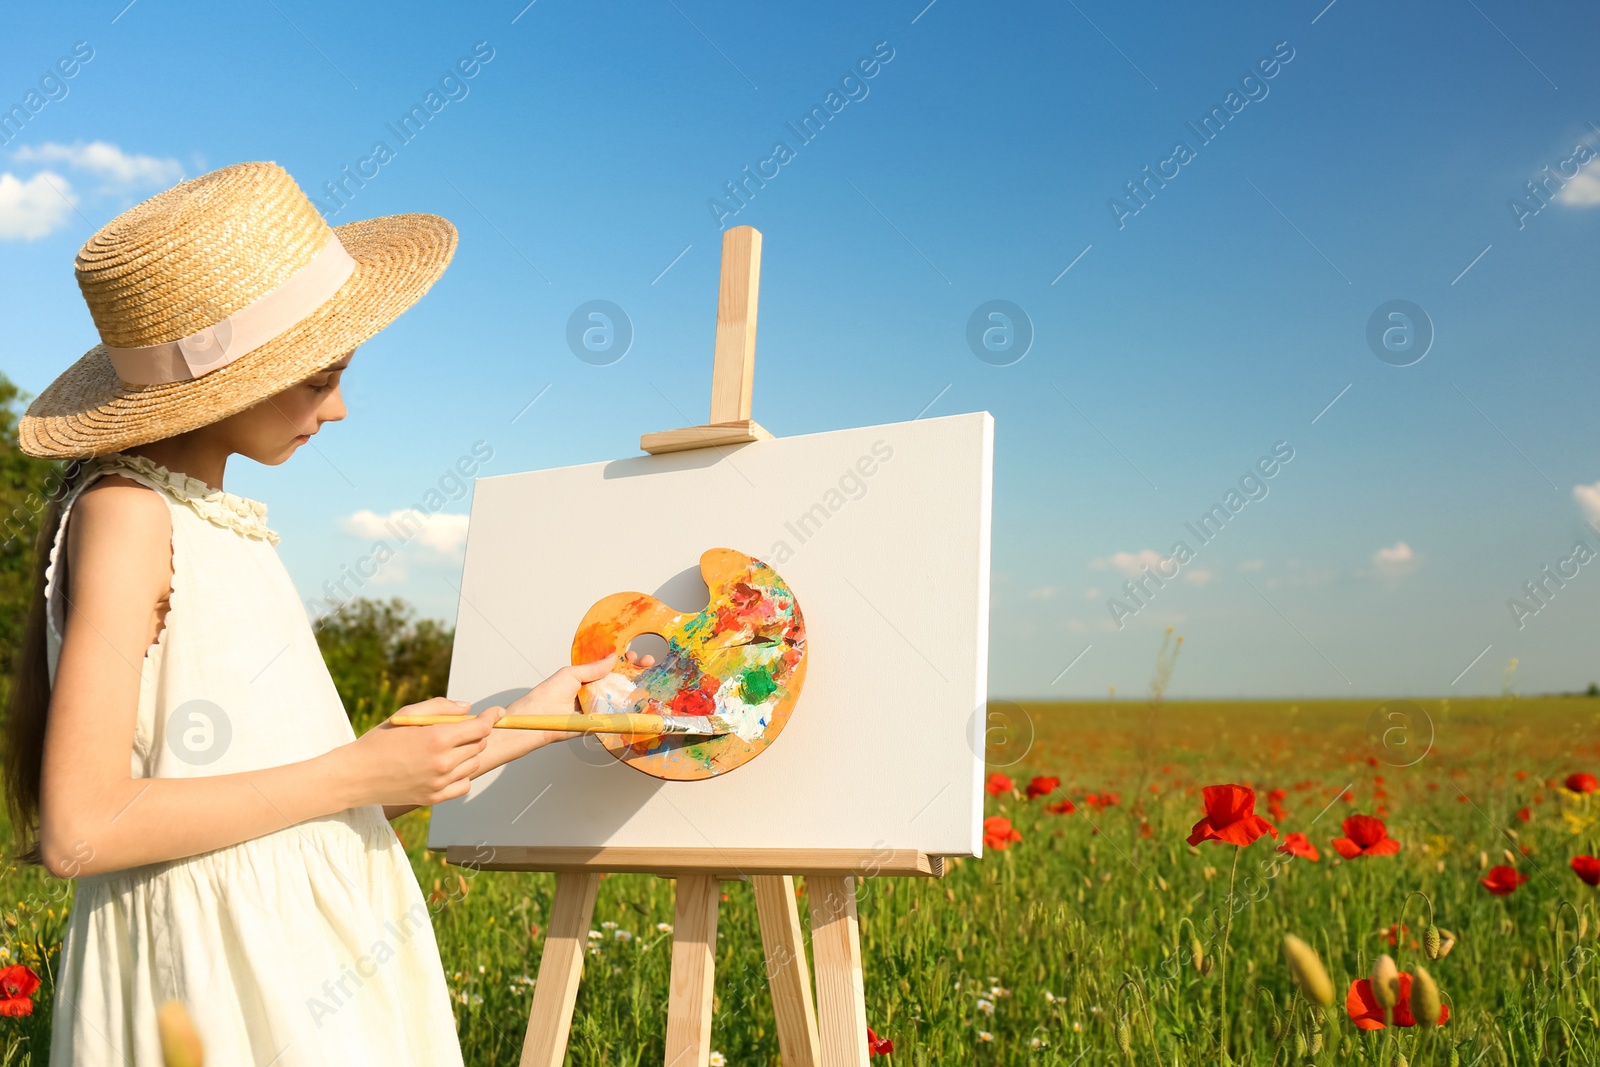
x: 742, y: 658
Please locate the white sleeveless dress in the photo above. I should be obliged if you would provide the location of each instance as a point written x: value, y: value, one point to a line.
x: 308, y: 945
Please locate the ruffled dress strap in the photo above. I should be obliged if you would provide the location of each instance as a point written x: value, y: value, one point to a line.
x: 220, y: 508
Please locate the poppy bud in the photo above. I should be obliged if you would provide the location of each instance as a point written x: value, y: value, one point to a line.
x: 180, y: 1044
x: 1206, y: 964
x: 1302, y: 1047
x: 1583, y: 926
x: 1385, y: 982
x: 1455, y: 1057
x: 1197, y: 952
x: 1430, y: 941
x: 1275, y: 1027
x: 1307, y: 971
x: 1447, y: 941
x: 1400, y: 1060
x: 1316, y: 1042
x: 1425, y: 998
x: 1318, y: 1016
x: 1124, y: 1037
x: 1483, y: 860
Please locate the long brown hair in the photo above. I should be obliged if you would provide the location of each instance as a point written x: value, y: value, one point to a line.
x: 29, y: 702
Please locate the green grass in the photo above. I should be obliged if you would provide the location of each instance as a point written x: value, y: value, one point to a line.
x: 1085, y: 925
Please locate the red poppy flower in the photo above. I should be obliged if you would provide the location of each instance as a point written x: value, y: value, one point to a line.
x: 1230, y: 817
x: 1365, y: 836
x: 1524, y: 814
x: 999, y: 783
x: 1394, y: 932
x: 1587, y: 868
x: 1042, y: 786
x: 1064, y: 806
x: 1298, y: 844
x: 17, y: 983
x: 1502, y: 880
x: 1365, y: 1011
x: 878, y: 1046
x: 1583, y: 782
x: 998, y: 833
x: 1103, y: 800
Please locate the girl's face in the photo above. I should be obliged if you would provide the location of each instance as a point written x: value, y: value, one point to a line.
x: 273, y: 430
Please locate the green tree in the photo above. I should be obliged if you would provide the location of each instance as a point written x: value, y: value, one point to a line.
x: 26, y: 484
x: 382, y: 659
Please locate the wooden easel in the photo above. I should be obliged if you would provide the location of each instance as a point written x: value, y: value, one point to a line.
x: 828, y: 1032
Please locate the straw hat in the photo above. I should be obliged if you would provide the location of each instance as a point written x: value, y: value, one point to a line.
x: 217, y: 293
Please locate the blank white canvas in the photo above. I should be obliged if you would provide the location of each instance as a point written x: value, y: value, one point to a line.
x: 884, y: 748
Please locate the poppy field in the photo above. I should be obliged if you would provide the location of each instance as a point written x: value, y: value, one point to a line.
x: 1315, y: 882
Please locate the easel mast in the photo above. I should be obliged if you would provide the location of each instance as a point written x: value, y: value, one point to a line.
x: 830, y: 1031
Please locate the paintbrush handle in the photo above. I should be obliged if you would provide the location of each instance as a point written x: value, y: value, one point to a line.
x: 584, y: 724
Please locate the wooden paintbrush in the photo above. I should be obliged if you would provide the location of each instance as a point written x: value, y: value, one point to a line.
x: 647, y: 725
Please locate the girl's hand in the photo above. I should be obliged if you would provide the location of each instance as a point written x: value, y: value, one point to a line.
x: 558, y: 694
x: 420, y: 765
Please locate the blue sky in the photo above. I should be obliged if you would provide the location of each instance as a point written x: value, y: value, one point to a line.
x: 1173, y: 346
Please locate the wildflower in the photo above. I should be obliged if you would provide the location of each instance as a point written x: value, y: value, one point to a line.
x: 1230, y: 817
x: 1306, y: 968
x: 1298, y: 844
x: 1502, y: 880
x: 1429, y: 1010
x: 608, y: 925
x: 1385, y: 983
x: 999, y: 783
x: 1394, y: 933
x: 17, y: 985
x: 1042, y: 786
x: 1524, y: 814
x: 1365, y: 836
x: 984, y: 1035
x: 1587, y: 868
x: 1582, y: 782
x: 986, y: 1006
x: 623, y: 935
x: 998, y: 833
x: 1064, y: 806
x: 663, y: 928
x: 1365, y: 1011
x: 595, y: 935
x: 718, y: 1059
x: 878, y: 1046
x: 1100, y: 801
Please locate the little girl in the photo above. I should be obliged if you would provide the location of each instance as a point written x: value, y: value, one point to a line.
x: 174, y: 741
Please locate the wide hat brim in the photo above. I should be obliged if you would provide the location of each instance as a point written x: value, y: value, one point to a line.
x: 89, y: 411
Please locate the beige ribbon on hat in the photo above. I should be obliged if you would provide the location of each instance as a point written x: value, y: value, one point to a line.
x: 267, y: 317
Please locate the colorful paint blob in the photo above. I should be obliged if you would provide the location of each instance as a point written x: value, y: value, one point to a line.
x: 743, y: 658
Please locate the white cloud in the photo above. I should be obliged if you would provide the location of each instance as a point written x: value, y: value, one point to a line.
x: 30, y: 209
x: 443, y: 533
x: 106, y: 161
x: 1043, y: 592
x: 1130, y: 563
x: 1398, y: 558
x: 1199, y: 576
x: 1091, y: 594
x: 1251, y: 565
x: 1580, y: 191
x: 1588, y: 498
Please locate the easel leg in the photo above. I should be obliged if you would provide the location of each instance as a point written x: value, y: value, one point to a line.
x: 694, y: 949
x: 787, y: 973
x: 555, y: 991
x: 841, y: 991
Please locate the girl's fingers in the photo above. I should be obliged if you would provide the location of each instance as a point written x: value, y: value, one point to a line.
x: 592, y: 672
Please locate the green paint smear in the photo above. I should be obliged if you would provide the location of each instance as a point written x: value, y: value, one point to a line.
x: 757, y: 685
